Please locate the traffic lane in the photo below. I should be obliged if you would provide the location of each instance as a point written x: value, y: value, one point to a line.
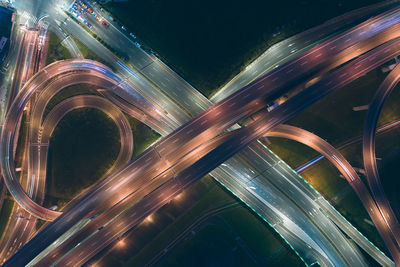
x: 306, y: 202
x: 115, y: 222
x: 176, y: 83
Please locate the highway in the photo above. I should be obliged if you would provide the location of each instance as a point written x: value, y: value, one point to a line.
x: 115, y: 228
x: 153, y: 77
x: 165, y: 78
x: 162, y: 78
x: 23, y: 58
x: 369, y: 157
x: 238, y: 140
x: 284, y: 131
x: 122, y: 208
x: 266, y: 119
x: 340, y: 163
x: 110, y: 230
x: 96, y: 75
x: 351, y: 71
x: 21, y: 224
x: 289, y: 48
x: 90, y: 230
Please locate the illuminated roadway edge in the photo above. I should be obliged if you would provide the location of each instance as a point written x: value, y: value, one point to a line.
x: 368, y: 146
x: 266, y: 120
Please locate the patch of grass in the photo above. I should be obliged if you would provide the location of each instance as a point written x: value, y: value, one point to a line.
x: 56, y: 50
x: 85, y: 51
x: 211, y: 245
x: 209, y: 42
x: 389, y: 175
x: 143, y: 136
x: 5, y: 213
x: 83, y: 147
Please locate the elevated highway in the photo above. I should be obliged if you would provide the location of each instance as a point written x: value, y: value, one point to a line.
x: 101, y: 239
x: 342, y: 84
x: 257, y: 106
x: 236, y: 141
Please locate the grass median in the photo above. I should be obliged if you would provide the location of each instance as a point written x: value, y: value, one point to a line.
x: 83, y: 147
x: 56, y: 51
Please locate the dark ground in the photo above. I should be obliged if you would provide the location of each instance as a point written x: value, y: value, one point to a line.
x: 83, y: 147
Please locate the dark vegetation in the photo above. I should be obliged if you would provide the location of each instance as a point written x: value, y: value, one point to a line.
x: 56, y: 50
x: 83, y: 147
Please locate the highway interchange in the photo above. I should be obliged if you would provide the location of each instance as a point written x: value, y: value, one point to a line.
x: 179, y: 154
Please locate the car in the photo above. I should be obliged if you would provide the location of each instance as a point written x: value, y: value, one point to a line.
x: 100, y: 228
